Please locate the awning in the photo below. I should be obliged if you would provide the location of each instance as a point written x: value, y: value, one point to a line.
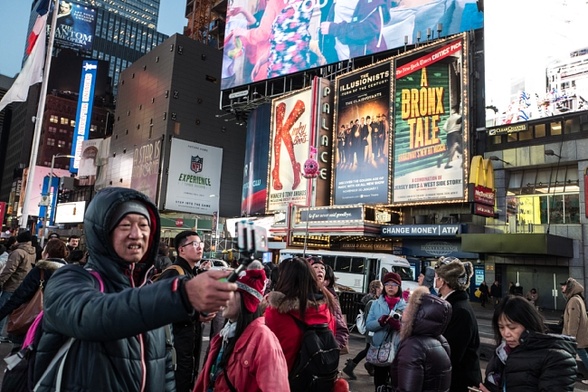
x: 518, y: 243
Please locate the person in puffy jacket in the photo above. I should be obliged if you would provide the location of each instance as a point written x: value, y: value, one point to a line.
x: 382, y: 324
x: 116, y: 322
x: 245, y: 356
x: 527, y: 359
x: 422, y: 362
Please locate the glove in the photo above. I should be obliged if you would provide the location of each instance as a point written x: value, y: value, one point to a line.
x: 394, y: 324
x: 382, y: 320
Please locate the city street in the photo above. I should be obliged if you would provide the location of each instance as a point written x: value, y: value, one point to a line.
x: 357, y: 342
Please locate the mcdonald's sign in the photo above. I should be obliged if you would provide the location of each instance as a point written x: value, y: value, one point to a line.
x: 481, y: 193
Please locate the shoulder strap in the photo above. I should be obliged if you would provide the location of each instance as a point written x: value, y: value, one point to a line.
x: 302, y: 325
x: 176, y: 267
x: 229, y: 383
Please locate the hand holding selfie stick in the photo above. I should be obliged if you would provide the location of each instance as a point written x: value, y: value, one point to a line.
x: 250, y: 238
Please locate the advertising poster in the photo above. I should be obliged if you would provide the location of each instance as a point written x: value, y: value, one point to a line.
x: 361, y: 162
x: 290, y: 140
x: 84, y: 111
x: 146, y: 162
x: 193, y: 183
x: 268, y: 39
x: 256, y: 162
x: 75, y: 27
x: 430, y: 144
x: 530, y: 78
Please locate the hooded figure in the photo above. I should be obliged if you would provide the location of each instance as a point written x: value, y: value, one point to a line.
x: 575, y: 320
x: 119, y: 335
x: 453, y: 279
x: 422, y: 362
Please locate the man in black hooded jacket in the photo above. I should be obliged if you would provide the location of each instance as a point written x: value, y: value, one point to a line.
x: 118, y: 335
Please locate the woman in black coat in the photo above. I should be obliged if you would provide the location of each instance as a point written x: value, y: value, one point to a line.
x: 422, y: 362
x: 527, y: 359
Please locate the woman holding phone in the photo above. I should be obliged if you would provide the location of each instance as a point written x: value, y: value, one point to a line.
x: 527, y: 358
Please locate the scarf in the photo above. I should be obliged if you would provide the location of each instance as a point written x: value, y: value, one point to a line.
x: 391, y: 301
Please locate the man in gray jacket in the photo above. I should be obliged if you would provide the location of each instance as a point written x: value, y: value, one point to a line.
x: 575, y: 321
x: 19, y: 263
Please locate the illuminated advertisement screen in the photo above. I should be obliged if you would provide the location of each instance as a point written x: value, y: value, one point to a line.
x: 362, y: 134
x: 536, y: 63
x: 256, y: 162
x: 430, y: 145
x: 290, y: 140
x: 268, y: 39
x: 75, y: 27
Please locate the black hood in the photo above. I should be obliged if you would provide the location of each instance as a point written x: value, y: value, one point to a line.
x: 98, y: 219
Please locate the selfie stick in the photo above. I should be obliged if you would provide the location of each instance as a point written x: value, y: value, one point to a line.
x: 246, y: 245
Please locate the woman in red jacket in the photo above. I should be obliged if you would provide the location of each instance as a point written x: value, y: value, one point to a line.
x: 245, y: 356
x: 297, y: 295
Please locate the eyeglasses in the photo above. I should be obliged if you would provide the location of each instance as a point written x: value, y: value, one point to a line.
x: 195, y: 244
x: 390, y: 284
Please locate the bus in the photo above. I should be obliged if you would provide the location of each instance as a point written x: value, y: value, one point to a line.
x: 355, y: 270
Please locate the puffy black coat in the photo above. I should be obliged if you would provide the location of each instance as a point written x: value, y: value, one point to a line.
x: 464, y: 340
x: 422, y: 362
x: 541, y: 363
x: 120, y: 342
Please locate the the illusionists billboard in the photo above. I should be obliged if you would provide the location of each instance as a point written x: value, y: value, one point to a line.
x: 75, y: 26
x: 361, y: 161
x: 430, y: 135
x: 267, y: 39
x: 536, y: 60
x: 292, y: 134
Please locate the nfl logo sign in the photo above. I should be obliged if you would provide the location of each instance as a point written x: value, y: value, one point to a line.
x: 196, y: 164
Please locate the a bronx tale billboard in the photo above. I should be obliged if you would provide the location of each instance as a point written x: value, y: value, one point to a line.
x: 430, y: 133
x: 361, y: 129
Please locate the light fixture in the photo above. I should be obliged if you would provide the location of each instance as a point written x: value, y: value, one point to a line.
x: 495, y: 158
x: 552, y: 153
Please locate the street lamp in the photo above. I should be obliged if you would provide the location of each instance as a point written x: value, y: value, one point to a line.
x: 48, y: 196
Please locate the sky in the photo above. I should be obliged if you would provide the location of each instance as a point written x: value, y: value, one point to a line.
x: 14, y: 22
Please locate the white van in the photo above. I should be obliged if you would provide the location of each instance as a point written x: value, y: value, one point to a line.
x: 356, y: 270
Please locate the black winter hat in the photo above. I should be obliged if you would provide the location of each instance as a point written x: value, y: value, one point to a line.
x: 128, y: 207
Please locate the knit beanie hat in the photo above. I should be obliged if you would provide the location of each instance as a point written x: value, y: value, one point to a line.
x: 24, y: 236
x: 251, y: 285
x: 128, y: 207
x: 455, y: 273
x: 392, y: 277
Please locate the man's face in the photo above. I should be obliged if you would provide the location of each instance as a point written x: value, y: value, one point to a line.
x: 192, y: 249
x: 74, y: 242
x: 130, y: 238
x: 563, y: 288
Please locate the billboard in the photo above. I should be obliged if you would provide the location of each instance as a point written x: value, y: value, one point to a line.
x: 256, y: 161
x: 268, y: 39
x: 84, y: 111
x: 75, y: 27
x: 430, y: 124
x: 361, y: 159
x: 146, y: 162
x: 290, y: 140
x: 194, y: 176
x: 532, y: 72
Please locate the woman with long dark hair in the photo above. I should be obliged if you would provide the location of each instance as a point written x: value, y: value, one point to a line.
x: 526, y: 357
x: 245, y: 355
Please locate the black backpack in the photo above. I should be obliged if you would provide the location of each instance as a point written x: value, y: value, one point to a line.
x: 317, y: 364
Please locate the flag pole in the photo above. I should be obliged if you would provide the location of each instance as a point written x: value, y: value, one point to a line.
x: 39, y: 119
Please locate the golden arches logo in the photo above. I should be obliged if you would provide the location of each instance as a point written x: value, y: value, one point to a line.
x: 481, y: 172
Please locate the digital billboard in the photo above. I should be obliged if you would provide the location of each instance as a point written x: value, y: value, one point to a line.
x: 84, y: 111
x: 268, y: 39
x: 361, y: 161
x: 256, y: 161
x: 430, y: 124
x: 75, y: 27
x: 536, y: 63
x: 194, y: 177
x: 290, y: 140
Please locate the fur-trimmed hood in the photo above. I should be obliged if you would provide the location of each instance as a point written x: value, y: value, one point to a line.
x: 317, y: 312
x: 277, y: 300
x: 50, y: 264
x: 425, y: 314
x: 573, y: 287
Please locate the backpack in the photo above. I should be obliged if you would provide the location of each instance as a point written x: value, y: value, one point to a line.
x: 360, y: 322
x: 20, y: 365
x: 317, y: 363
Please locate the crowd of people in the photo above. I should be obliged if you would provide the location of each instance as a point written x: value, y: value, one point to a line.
x: 115, y: 322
